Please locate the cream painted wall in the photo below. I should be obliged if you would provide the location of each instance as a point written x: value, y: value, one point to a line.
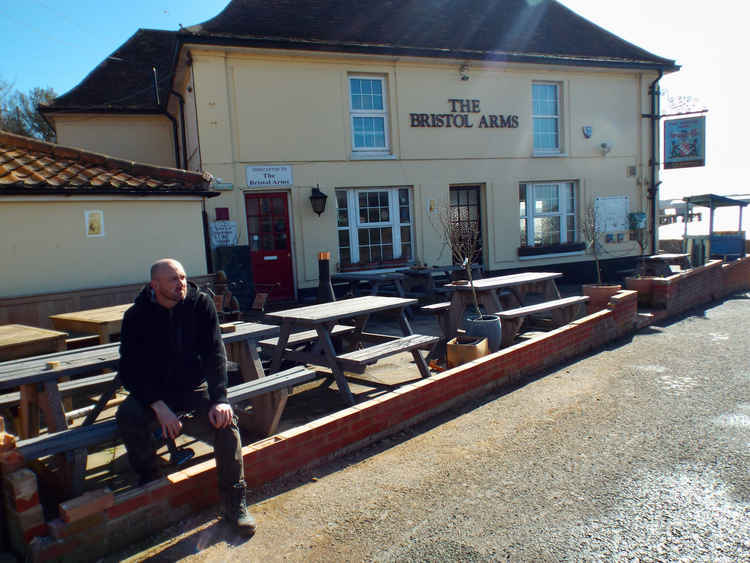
x: 269, y: 107
x: 44, y: 246
x: 143, y: 138
x: 294, y: 110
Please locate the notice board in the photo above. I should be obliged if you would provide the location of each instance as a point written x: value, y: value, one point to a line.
x: 612, y: 213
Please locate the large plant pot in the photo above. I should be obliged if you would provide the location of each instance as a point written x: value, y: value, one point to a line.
x: 599, y: 295
x: 487, y: 326
x: 464, y: 349
x: 643, y: 286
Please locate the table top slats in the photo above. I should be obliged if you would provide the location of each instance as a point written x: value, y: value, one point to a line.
x: 335, y: 310
x: 86, y: 360
x: 509, y: 280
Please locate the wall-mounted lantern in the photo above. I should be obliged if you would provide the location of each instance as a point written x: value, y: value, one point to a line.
x: 318, y: 200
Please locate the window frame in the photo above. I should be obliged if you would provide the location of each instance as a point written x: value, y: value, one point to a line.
x: 564, y: 212
x: 542, y: 151
x: 395, y: 223
x: 384, y: 114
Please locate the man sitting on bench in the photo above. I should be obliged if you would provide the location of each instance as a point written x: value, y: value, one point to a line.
x: 172, y: 359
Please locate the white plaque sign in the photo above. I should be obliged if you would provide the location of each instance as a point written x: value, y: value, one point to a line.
x: 223, y: 233
x: 268, y: 176
x: 612, y: 214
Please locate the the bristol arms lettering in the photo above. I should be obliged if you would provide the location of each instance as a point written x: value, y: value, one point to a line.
x: 460, y: 117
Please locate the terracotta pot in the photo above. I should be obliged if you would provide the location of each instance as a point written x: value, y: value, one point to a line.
x: 464, y: 349
x: 599, y: 295
x: 643, y: 287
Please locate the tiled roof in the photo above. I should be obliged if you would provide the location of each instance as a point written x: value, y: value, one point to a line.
x: 124, y: 81
x: 531, y: 31
x: 542, y: 31
x: 29, y: 166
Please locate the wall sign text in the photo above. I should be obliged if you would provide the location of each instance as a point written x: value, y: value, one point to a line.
x: 464, y: 114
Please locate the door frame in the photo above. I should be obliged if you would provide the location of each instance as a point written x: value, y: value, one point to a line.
x: 290, y: 217
x: 483, y: 222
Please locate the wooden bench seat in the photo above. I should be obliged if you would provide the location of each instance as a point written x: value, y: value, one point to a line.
x: 87, y: 436
x: 306, y: 337
x: 563, y: 311
x: 370, y: 355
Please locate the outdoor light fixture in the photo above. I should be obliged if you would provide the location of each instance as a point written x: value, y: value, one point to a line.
x: 318, y: 200
x: 606, y: 147
x: 463, y: 72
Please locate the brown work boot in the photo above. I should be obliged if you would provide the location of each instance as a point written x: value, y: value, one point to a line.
x: 235, y: 509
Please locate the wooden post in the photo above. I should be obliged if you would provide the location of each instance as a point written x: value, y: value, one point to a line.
x: 325, y: 289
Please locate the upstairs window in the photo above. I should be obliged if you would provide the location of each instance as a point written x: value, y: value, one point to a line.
x: 374, y: 226
x: 545, y: 101
x: 369, y: 114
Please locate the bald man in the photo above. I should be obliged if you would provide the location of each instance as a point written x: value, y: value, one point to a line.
x: 172, y: 360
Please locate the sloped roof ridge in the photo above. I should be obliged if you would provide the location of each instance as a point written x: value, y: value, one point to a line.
x: 141, y: 97
x: 342, y: 23
x: 195, y: 181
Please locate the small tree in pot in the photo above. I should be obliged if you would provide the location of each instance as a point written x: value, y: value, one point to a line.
x: 590, y: 229
x: 463, y: 239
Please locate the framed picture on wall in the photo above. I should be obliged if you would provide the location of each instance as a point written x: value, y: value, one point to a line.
x: 94, y: 223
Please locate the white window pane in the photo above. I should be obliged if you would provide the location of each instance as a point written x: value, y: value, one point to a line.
x: 369, y: 132
x: 545, y: 198
x: 546, y: 230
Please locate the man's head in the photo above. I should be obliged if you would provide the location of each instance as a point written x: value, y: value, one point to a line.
x: 169, y: 282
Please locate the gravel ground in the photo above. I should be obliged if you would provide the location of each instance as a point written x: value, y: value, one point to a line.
x: 637, y: 453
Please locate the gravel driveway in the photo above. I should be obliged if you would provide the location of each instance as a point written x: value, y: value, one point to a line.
x: 637, y: 453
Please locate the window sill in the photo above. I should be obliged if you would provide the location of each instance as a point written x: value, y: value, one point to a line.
x: 533, y: 252
x: 549, y: 155
x: 372, y: 156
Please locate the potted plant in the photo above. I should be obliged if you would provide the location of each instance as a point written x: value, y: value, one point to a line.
x: 462, y: 237
x: 599, y: 292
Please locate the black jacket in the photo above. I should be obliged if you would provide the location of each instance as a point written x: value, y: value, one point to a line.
x: 166, y: 352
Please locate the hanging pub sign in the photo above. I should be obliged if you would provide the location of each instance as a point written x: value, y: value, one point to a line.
x: 685, y: 142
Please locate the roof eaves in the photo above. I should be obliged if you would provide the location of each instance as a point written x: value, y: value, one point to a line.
x: 436, y: 52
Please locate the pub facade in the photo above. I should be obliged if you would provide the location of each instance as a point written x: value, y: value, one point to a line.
x: 350, y: 128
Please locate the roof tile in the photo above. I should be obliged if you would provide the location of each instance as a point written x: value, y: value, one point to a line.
x: 32, y: 166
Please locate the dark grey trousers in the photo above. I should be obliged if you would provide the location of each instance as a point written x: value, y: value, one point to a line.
x: 137, y: 424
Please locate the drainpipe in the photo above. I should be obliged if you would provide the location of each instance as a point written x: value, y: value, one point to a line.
x: 653, y: 189
x: 175, y: 137
x: 182, y: 128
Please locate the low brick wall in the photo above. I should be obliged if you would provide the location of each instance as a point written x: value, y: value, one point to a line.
x: 697, y: 286
x: 99, y: 523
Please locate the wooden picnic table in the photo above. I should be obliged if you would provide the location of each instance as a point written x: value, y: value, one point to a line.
x: 323, y: 317
x: 427, y: 278
x: 376, y: 281
x: 38, y: 378
x: 20, y: 341
x: 517, y: 285
x: 659, y: 264
x: 105, y: 321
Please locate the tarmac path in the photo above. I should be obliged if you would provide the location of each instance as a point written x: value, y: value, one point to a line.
x: 639, y: 452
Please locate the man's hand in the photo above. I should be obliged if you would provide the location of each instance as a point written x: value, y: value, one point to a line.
x: 220, y: 415
x: 170, y: 424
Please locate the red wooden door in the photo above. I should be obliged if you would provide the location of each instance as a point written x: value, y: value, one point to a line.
x: 270, y: 244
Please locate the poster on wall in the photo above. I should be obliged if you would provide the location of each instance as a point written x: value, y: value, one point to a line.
x: 685, y: 142
x: 224, y: 233
x: 94, y: 221
x: 612, y: 213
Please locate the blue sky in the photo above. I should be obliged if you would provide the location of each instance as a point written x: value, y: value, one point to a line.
x: 56, y: 43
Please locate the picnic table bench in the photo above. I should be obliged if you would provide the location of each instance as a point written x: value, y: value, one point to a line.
x: 563, y: 311
x: 79, y: 439
x: 37, y: 378
x: 322, y: 318
x: 659, y: 264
